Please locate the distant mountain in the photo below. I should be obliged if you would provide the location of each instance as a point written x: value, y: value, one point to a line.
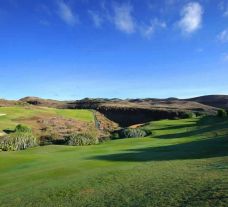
x: 219, y: 101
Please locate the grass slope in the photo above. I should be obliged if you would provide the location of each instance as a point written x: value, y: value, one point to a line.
x: 14, y: 114
x: 184, y: 163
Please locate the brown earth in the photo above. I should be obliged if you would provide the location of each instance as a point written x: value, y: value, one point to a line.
x: 56, y: 129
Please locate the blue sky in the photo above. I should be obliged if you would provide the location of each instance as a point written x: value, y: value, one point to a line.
x: 71, y: 49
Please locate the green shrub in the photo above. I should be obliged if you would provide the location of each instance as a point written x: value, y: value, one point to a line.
x: 23, y: 128
x: 81, y: 140
x: 18, y: 141
x: 221, y: 113
x: 131, y: 133
x: 189, y: 115
x: 115, y: 135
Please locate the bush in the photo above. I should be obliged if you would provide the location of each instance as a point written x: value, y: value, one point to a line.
x: 18, y: 141
x: 221, y: 113
x: 81, y: 140
x: 23, y: 128
x: 131, y: 133
x: 115, y: 135
x: 189, y: 115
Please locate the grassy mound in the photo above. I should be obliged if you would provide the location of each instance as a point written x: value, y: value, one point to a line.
x: 20, y: 114
x: 48, y: 124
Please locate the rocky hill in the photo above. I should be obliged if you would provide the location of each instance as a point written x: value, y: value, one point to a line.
x: 135, y: 111
x: 44, y: 102
x: 219, y: 101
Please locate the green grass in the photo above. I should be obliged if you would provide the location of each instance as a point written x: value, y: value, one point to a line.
x: 18, y: 112
x: 184, y: 163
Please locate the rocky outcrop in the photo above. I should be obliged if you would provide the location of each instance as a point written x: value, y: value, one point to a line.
x: 130, y: 112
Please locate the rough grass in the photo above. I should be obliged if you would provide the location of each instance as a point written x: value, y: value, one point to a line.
x: 184, y: 163
x: 14, y: 114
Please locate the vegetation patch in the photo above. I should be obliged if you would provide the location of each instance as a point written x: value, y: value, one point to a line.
x: 222, y: 113
x: 23, y: 129
x: 82, y: 140
x: 18, y: 141
x: 129, y: 133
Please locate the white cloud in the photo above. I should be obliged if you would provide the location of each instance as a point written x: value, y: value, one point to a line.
x: 123, y: 18
x: 96, y: 18
x: 191, y: 19
x: 66, y: 14
x: 148, y: 30
x: 223, y: 36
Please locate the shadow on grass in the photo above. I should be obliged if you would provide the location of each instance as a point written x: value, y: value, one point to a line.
x: 208, y: 148
x: 204, y: 125
x: 177, y: 127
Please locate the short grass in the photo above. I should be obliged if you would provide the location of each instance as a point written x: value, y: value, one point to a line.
x: 183, y: 163
x: 13, y: 114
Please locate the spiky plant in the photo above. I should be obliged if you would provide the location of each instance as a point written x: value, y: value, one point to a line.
x: 18, y: 141
x: 82, y: 140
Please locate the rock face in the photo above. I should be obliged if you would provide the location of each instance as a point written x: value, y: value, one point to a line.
x: 127, y: 117
x: 130, y: 112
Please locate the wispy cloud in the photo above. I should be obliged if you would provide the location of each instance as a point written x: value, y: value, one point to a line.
x: 191, y: 17
x: 223, y: 36
x: 123, y: 18
x: 66, y: 14
x: 96, y: 18
x: 148, y: 30
x: 224, y: 8
x: 225, y: 57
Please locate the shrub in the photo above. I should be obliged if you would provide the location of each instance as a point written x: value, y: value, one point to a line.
x: 221, y: 113
x: 18, y: 141
x: 115, y: 135
x: 23, y: 128
x: 189, y: 115
x: 130, y: 133
x: 81, y: 140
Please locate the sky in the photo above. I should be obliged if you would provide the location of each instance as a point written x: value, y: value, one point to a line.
x: 72, y: 49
